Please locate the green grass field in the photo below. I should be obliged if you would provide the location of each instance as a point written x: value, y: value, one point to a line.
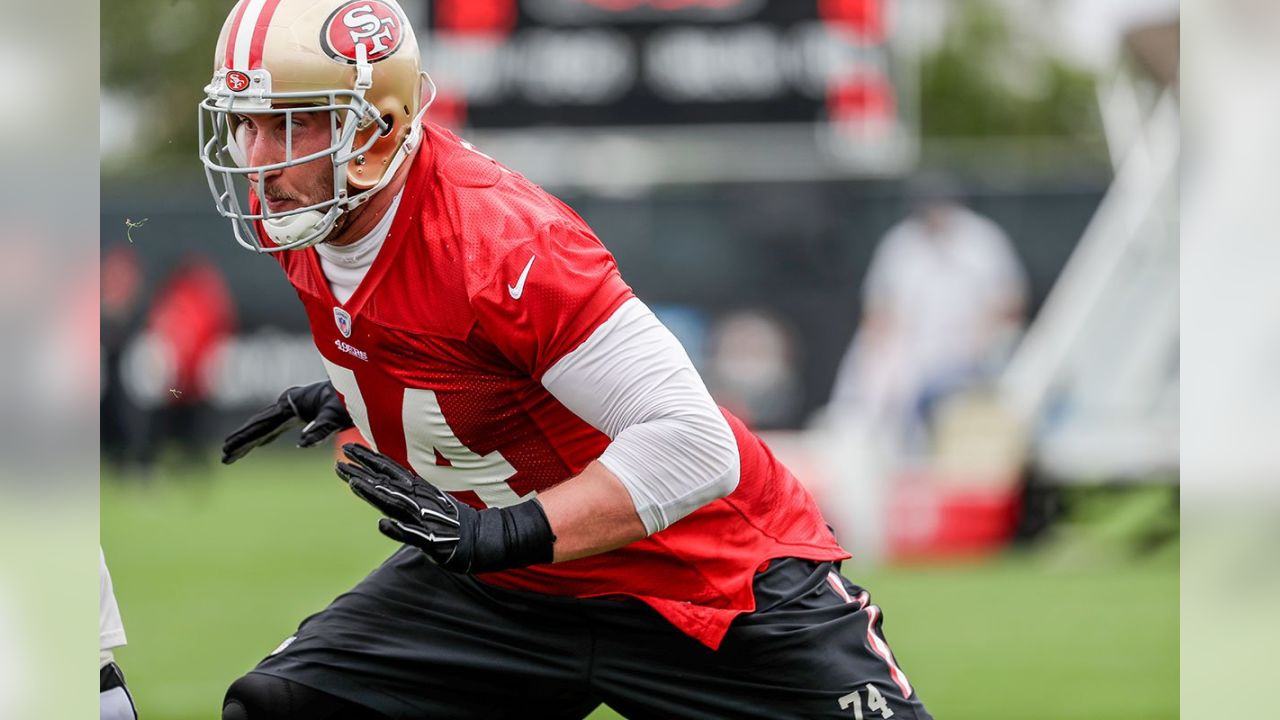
x: 213, y: 572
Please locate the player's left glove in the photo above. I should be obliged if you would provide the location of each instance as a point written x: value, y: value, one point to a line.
x: 453, y: 534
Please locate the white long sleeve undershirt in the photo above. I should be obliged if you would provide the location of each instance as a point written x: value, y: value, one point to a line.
x: 672, y: 448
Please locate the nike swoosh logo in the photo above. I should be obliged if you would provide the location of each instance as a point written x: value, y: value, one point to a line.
x: 518, y: 289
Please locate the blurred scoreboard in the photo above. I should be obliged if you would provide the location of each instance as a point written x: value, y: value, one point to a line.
x: 816, y: 78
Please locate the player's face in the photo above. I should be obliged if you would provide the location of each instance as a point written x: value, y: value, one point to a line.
x: 265, y: 139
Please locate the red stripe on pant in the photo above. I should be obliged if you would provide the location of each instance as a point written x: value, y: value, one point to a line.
x: 877, y: 643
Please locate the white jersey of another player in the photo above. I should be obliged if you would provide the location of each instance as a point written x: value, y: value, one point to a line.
x: 116, y: 704
x: 110, y: 627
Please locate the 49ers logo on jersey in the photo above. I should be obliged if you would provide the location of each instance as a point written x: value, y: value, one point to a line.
x: 371, y: 23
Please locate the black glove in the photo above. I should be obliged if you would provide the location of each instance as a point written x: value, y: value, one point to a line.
x: 318, y: 406
x: 453, y: 534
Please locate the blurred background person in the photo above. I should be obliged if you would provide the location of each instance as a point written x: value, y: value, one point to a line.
x: 191, y: 315
x: 121, y: 287
x: 752, y: 370
x: 944, y: 299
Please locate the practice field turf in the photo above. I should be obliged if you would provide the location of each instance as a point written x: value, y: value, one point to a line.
x: 213, y: 570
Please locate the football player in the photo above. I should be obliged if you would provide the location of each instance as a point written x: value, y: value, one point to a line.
x: 579, y: 522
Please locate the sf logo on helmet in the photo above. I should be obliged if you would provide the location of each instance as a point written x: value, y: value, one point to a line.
x: 371, y: 23
x: 237, y: 81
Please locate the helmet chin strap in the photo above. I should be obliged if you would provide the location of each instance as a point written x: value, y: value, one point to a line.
x: 313, y: 227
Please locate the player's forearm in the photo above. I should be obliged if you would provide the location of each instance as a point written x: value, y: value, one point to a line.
x: 590, y: 514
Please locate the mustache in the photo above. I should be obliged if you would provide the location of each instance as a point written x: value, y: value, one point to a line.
x: 277, y: 195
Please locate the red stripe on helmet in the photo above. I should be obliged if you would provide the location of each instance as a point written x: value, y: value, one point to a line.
x: 231, y: 37
x: 260, y: 33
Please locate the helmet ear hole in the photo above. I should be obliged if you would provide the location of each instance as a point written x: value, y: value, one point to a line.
x: 390, y: 122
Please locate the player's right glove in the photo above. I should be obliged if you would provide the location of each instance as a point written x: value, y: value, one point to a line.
x: 317, y: 408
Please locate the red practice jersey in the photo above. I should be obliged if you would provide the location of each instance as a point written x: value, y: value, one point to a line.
x: 439, y: 356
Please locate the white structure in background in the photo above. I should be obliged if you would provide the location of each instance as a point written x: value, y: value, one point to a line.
x: 1230, y: 292
x: 1096, y: 376
x: 1091, y: 31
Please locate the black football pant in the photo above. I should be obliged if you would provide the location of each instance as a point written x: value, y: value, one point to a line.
x: 415, y: 642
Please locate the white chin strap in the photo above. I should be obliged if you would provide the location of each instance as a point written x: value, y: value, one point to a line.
x: 313, y: 227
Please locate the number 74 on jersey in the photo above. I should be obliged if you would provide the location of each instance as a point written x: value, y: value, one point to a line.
x: 875, y: 703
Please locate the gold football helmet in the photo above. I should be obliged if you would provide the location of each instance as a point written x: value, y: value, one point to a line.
x: 356, y: 59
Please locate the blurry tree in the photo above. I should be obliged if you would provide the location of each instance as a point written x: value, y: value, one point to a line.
x: 988, y: 79
x: 157, y: 55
